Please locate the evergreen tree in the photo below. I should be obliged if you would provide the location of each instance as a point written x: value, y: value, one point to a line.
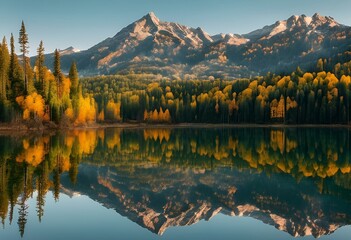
x: 4, y: 69
x: 12, y: 59
x: 57, y: 72
x: 30, y: 77
x: 15, y: 73
x: 73, y: 76
x: 22, y: 215
x: 40, y: 68
x: 23, y: 41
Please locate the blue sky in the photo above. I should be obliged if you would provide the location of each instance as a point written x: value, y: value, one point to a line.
x: 82, y: 24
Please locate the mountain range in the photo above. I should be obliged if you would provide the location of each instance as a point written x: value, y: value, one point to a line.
x: 150, y: 45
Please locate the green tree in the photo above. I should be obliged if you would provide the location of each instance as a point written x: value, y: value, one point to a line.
x: 15, y: 73
x: 40, y: 68
x: 30, y: 77
x: 4, y: 69
x: 73, y: 76
x: 57, y: 72
x: 74, y: 91
x: 23, y: 41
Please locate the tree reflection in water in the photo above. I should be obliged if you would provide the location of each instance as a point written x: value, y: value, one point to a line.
x: 297, y: 180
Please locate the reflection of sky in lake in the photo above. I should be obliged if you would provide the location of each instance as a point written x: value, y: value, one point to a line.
x: 82, y: 218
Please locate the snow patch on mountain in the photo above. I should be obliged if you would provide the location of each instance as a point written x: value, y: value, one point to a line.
x: 281, y: 27
x: 69, y: 50
x: 308, y: 20
x: 230, y: 39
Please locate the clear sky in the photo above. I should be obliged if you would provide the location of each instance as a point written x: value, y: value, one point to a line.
x: 82, y: 24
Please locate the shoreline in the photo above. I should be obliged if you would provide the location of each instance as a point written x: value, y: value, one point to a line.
x: 7, y: 128
x: 210, y: 125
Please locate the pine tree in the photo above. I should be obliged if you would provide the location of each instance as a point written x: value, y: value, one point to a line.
x: 4, y: 69
x: 57, y: 72
x: 22, y: 215
x: 73, y: 76
x: 74, y: 91
x: 15, y: 73
x: 30, y: 77
x: 12, y: 59
x: 40, y: 68
x: 23, y: 41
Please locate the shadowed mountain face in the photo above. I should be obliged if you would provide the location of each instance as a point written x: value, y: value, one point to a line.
x: 151, y: 45
x: 297, y: 180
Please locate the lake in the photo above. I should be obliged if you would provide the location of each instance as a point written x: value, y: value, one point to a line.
x: 154, y: 183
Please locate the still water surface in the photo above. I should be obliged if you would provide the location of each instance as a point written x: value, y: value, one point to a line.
x: 244, y: 183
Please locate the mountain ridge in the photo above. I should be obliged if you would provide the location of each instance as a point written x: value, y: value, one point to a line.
x: 171, y: 49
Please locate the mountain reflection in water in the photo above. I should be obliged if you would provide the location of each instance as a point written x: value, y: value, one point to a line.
x: 297, y: 180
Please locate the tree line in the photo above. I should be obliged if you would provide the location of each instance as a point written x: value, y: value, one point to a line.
x: 298, y: 98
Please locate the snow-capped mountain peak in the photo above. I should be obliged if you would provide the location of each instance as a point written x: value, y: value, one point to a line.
x: 147, y: 24
x: 294, y: 22
x: 153, y: 17
x: 69, y: 50
x: 318, y: 20
x: 268, y: 32
x: 307, y: 20
x: 279, y: 27
x: 151, y: 25
x: 230, y: 39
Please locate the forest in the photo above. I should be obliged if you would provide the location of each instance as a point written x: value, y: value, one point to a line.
x: 300, y: 98
x: 39, y: 95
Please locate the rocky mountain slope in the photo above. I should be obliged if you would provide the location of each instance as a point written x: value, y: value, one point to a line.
x: 151, y: 45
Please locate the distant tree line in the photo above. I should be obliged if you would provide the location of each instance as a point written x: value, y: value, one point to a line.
x: 298, y: 98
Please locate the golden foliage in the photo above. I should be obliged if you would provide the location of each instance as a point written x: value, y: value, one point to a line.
x: 114, y: 110
x: 158, y: 116
x: 33, y: 106
x: 114, y: 140
x: 157, y: 134
x: 69, y: 113
x: 33, y: 154
x: 101, y: 116
x: 66, y: 86
x: 86, y: 111
x: 277, y: 108
x: 86, y: 139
